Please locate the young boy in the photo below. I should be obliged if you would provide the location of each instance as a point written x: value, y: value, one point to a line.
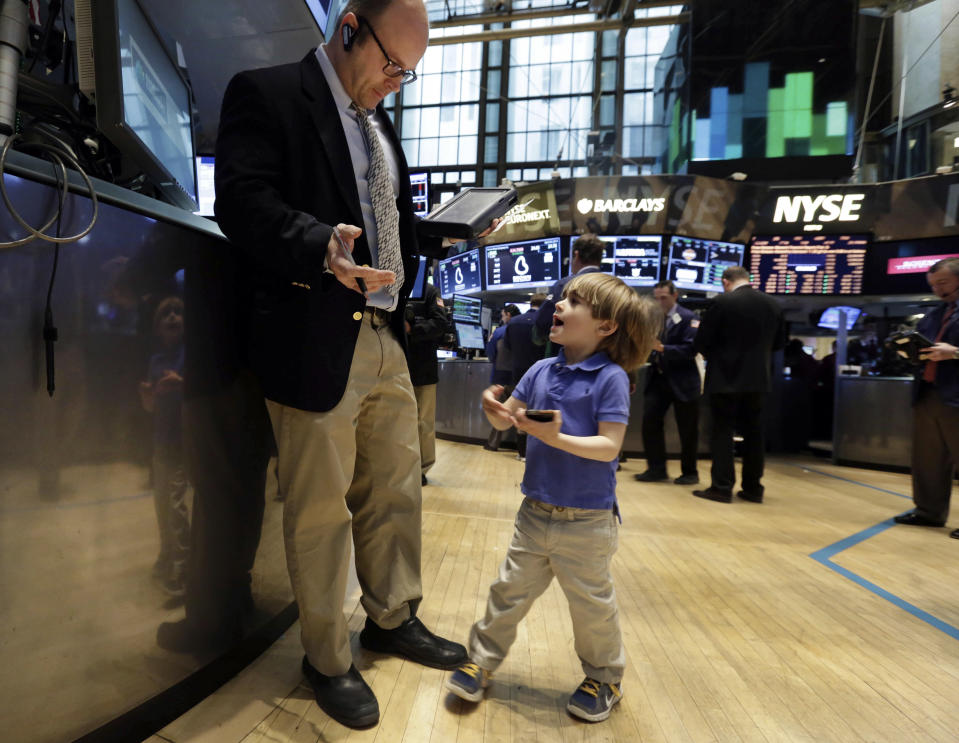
x: 566, y: 526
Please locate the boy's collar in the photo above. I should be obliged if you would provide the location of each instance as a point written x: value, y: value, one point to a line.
x: 591, y: 363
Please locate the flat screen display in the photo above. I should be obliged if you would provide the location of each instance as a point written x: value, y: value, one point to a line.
x: 205, y: 195
x: 829, y: 318
x: 419, y: 283
x: 467, y: 309
x: 699, y: 264
x: 460, y: 274
x: 808, y: 264
x: 469, y: 335
x: 636, y: 259
x: 156, y: 100
x: 420, y: 191
x: 320, y: 9
x: 523, y: 264
x: 901, y: 267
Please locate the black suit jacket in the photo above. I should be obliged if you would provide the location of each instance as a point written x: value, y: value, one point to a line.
x: 428, y: 324
x: 519, y: 340
x: 736, y: 336
x: 677, y: 362
x: 283, y: 179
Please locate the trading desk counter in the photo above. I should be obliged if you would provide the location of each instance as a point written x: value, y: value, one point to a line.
x: 873, y: 421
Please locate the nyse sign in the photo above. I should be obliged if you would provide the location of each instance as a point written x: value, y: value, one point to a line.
x: 814, y: 209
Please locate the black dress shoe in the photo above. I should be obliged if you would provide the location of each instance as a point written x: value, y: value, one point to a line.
x: 652, y: 476
x: 954, y: 534
x: 346, y: 698
x: 424, y: 481
x: 412, y: 640
x: 751, y: 497
x: 913, y: 518
x: 711, y: 493
x: 687, y: 479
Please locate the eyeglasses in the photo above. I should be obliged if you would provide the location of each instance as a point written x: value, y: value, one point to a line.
x: 390, y: 69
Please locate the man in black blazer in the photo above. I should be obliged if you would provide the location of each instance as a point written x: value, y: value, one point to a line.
x: 303, y: 150
x: 737, y: 336
x: 672, y: 378
x: 935, y: 420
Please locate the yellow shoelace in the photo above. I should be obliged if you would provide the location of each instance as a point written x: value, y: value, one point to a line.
x: 591, y: 687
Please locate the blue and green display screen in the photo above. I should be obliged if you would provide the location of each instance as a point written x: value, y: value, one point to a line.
x: 765, y: 120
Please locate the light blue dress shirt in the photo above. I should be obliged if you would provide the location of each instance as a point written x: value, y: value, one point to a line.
x: 359, y: 154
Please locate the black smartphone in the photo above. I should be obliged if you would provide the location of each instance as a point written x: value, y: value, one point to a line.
x: 543, y: 416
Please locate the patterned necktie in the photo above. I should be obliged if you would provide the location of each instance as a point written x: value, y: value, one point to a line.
x: 385, y: 212
x: 929, y: 371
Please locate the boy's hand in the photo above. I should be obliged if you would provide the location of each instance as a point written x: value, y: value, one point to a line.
x: 545, y: 432
x: 492, y: 406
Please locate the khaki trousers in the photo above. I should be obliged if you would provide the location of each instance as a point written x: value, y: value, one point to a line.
x: 576, y: 545
x: 426, y: 408
x: 353, y: 471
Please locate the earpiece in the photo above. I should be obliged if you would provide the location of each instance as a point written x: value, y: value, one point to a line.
x: 349, y: 36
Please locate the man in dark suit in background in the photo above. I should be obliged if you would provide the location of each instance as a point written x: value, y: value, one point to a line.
x: 737, y: 336
x: 587, y: 257
x: 524, y: 352
x: 935, y: 420
x: 306, y: 151
x: 501, y: 367
x: 426, y: 324
x: 672, y: 378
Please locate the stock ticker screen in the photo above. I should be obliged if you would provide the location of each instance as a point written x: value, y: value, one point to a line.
x: 636, y: 258
x: 523, y: 264
x: 699, y: 264
x: 808, y: 264
x: 467, y: 309
x: 460, y: 274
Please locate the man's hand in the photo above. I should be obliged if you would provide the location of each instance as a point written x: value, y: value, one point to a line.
x: 658, y: 346
x: 493, y: 226
x: 493, y: 407
x: 938, y: 352
x: 346, y: 271
x: 548, y: 432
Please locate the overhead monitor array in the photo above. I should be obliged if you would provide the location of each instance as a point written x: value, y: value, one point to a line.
x: 532, y: 263
x: 817, y: 264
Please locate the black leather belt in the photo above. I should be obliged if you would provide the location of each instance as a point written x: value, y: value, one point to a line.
x: 378, y: 315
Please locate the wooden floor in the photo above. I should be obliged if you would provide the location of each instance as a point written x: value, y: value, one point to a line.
x: 807, y: 618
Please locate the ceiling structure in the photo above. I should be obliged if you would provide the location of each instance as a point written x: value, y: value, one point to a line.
x: 219, y: 39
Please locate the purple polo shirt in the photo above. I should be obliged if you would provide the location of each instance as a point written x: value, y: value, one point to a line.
x: 586, y: 393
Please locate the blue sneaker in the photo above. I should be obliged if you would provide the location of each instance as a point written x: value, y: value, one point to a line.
x: 593, y: 700
x: 469, y: 681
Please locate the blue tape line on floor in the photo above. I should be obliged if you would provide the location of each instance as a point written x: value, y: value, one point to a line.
x: 825, y: 555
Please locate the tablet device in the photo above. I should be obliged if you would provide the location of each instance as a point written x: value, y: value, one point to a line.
x: 468, y: 213
x: 907, y: 345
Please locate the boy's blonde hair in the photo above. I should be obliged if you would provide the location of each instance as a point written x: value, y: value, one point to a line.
x: 638, y: 319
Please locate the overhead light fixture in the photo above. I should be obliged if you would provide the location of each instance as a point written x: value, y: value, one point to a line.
x: 737, y: 176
